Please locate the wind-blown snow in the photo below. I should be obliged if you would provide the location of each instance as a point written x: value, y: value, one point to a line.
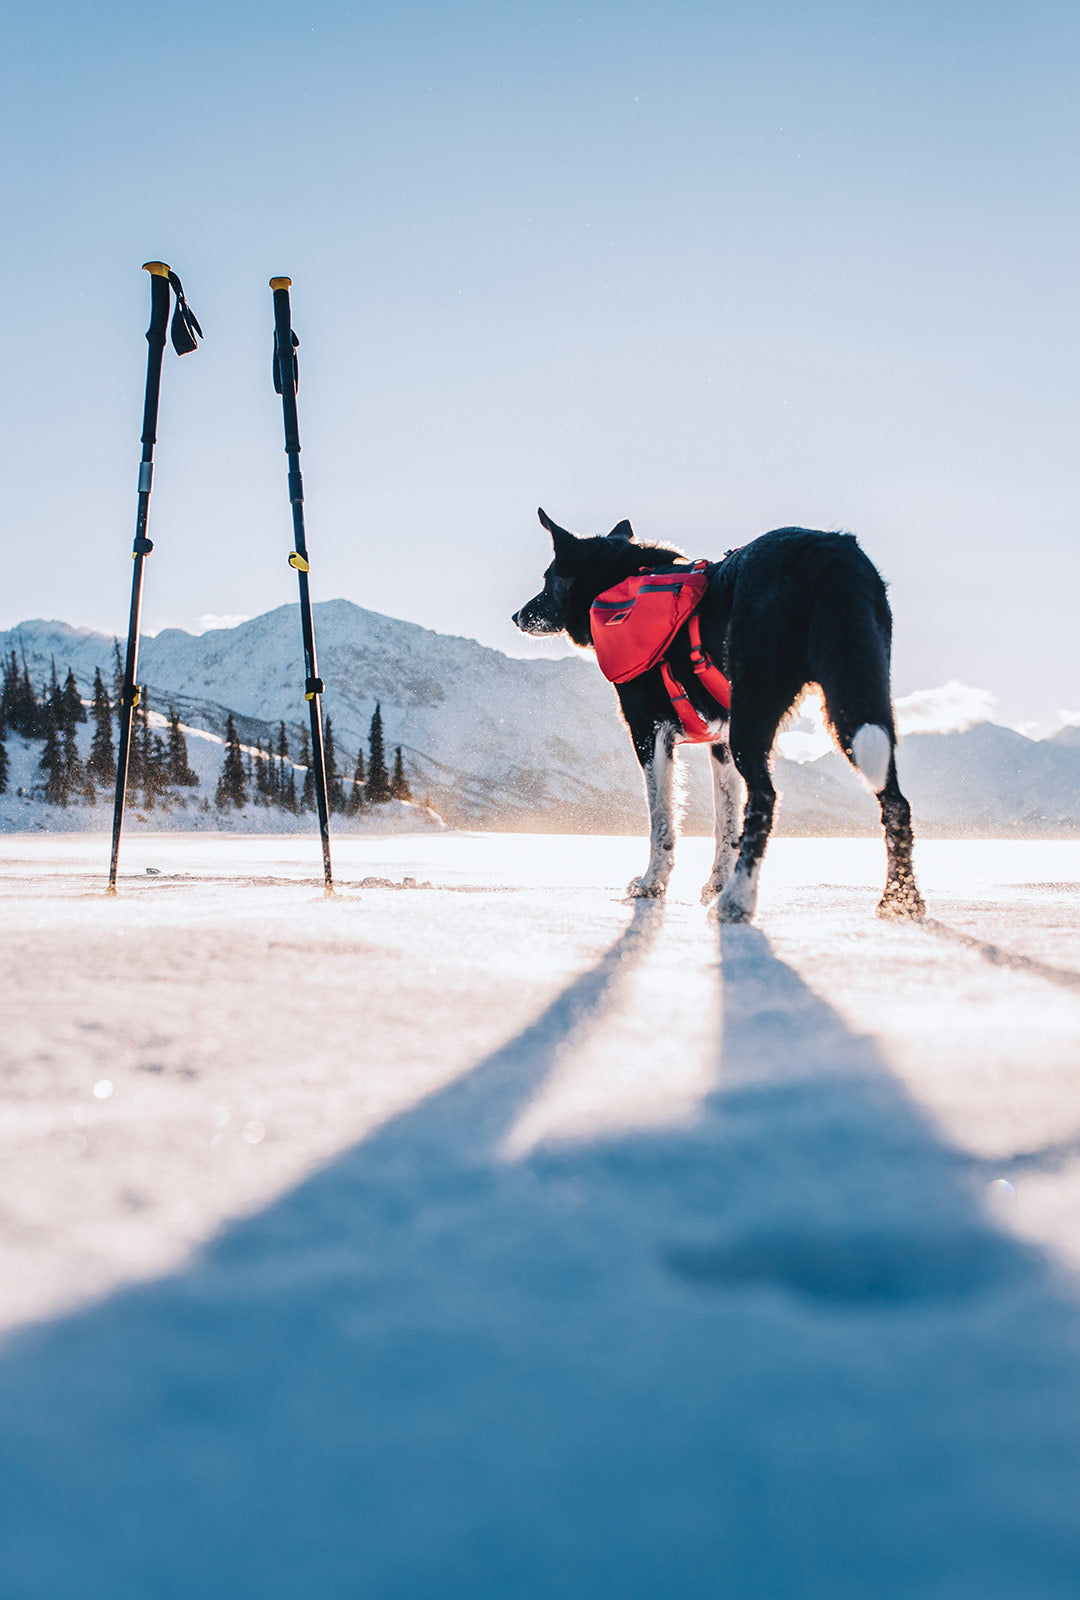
x: 496, y: 1237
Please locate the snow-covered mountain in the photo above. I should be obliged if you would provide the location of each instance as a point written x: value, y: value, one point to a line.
x: 502, y: 742
x: 487, y: 737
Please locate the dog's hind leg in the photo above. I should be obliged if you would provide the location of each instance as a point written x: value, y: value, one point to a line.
x: 863, y: 721
x: 727, y: 804
x: 851, y: 641
x: 872, y: 752
x: 657, y: 757
x: 871, y: 749
x: 901, y: 898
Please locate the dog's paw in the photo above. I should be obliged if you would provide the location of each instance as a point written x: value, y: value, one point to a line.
x: 645, y: 889
x: 711, y: 888
x: 730, y: 914
x: 737, y: 903
x: 901, y: 903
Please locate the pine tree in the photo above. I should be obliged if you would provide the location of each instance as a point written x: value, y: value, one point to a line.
x: 176, y: 758
x: 399, y: 783
x: 335, y: 789
x: 261, y: 768
x: 71, y: 699
x: 357, y: 796
x: 101, y: 763
x: 273, y: 777
x: 3, y: 758
x: 378, y: 782
x: 74, y: 776
x: 307, y: 793
x: 138, y: 744
x: 284, y: 792
x: 155, y: 770
x: 18, y: 703
x: 51, y: 696
x: 286, y: 787
x: 52, y: 762
x: 231, y: 789
x: 31, y: 721
x: 9, y: 695
x: 118, y: 679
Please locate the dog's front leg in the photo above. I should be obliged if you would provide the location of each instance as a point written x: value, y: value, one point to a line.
x: 728, y: 808
x: 656, y: 754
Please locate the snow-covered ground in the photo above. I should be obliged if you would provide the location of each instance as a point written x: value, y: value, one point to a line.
x: 495, y: 1237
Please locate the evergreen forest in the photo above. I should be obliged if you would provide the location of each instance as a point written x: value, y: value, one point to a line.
x: 72, y: 772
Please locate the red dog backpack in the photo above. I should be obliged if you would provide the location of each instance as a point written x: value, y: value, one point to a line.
x: 633, y: 625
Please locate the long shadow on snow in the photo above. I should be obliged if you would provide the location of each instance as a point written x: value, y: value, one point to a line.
x: 778, y: 1352
x: 998, y: 956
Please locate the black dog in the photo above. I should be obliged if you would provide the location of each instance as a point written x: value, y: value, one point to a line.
x: 795, y: 607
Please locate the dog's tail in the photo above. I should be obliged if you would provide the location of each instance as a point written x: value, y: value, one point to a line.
x: 849, y: 646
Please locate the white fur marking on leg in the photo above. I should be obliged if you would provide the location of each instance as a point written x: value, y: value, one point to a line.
x: 726, y: 802
x: 660, y: 788
x: 871, y: 751
x: 738, y: 902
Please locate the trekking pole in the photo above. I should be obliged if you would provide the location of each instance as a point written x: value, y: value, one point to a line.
x: 185, y: 331
x: 286, y: 377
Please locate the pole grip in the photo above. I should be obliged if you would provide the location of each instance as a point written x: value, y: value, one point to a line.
x: 155, y: 338
x: 159, y: 301
x: 285, y: 371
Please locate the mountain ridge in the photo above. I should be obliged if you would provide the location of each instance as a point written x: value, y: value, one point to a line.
x: 504, y: 741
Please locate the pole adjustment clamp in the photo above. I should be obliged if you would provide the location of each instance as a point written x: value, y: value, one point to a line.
x: 143, y: 546
x: 312, y: 687
x: 298, y: 561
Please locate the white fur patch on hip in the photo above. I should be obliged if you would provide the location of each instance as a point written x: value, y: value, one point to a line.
x: 871, y: 751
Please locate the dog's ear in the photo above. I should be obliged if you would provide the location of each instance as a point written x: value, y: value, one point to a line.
x: 546, y: 522
x: 621, y: 530
x: 563, y: 541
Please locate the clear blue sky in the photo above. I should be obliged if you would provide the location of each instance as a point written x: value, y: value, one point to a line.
x: 712, y: 267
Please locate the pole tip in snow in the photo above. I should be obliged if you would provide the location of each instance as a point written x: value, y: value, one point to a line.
x: 280, y: 283
x: 159, y: 269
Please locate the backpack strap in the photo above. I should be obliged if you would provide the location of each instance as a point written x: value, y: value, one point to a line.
x: 705, y: 667
x: 695, y: 729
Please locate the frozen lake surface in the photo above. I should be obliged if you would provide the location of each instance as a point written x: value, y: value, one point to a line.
x: 491, y: 1236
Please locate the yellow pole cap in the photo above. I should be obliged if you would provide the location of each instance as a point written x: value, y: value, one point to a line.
x: 158, y: 268
x: 281, y: 283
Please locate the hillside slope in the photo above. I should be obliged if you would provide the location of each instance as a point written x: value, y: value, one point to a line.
x: 500, y: 742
